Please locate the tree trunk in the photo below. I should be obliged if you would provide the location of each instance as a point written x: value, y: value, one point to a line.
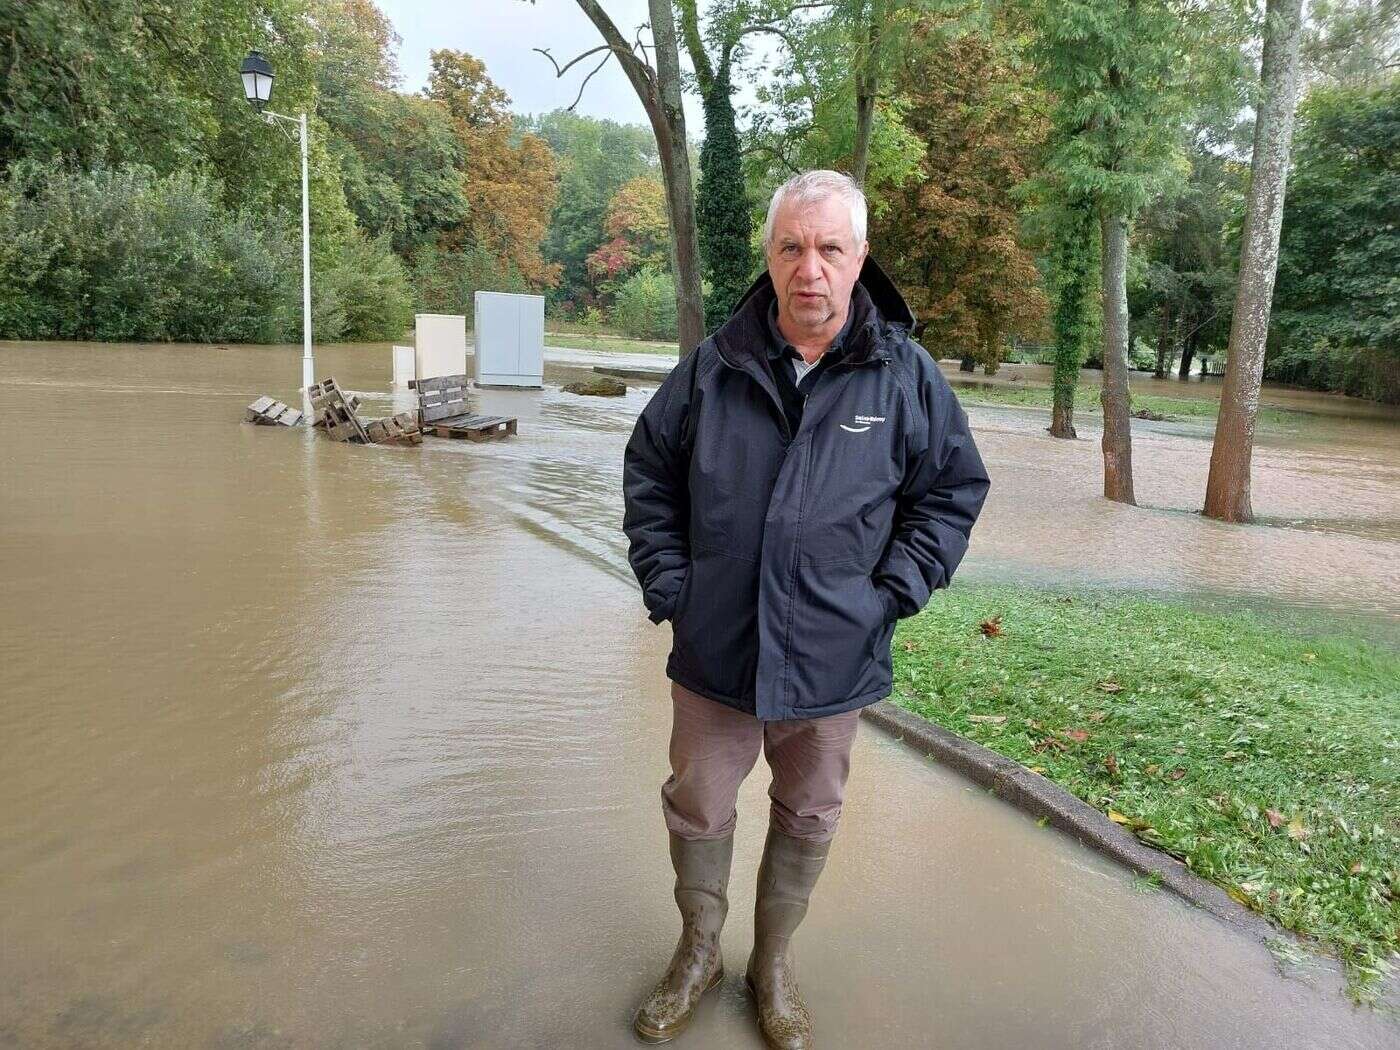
x: 1117, y: 422
x: 1188, y: 351
x: 1164, y: 346
x: 675, y: 166
x: 967, y: 364
x: 1227, y: 487
x: 1074, y: 265
x: 660, y: 93
x: 866, y: 86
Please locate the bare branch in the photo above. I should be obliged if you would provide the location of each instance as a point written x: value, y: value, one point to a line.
x: 586, y: 79
x: 559, y: 71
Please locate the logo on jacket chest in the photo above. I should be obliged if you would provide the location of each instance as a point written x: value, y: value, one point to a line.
x: 862, y: 424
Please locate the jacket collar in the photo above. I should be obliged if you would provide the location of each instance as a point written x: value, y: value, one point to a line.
x: 878, y: 311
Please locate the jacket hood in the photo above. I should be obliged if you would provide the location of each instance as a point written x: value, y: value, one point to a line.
x: 874, y: 298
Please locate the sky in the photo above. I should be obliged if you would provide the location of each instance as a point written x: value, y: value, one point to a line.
x: 502, y: 32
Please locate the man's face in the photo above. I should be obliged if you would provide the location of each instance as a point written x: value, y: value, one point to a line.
x: 814, y: 261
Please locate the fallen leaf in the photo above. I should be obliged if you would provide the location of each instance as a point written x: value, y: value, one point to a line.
x: 1077, y: 735
x: 991, y: 627
x: 1110, y: 687
x: 1296, y: 830
x: 1049, y: 742
x: 994, y: 719
x: 1176, y: 774
x: 1037, y: 769
x: 1310, y: 656
x: 1111, y: 764
x: 1357, y: 868
x: 910, y: 647
x: 1275, y: 818
x: 1097, y: 716
x: 1153, y: 769
x: 1118, y: 818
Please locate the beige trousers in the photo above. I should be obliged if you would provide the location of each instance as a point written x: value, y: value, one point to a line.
x: 714, y: 747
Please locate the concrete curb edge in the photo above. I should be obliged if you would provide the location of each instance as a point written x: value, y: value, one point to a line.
x: 1014, y: 783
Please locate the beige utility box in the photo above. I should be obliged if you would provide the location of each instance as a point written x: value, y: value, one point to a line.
x: 439, y: 345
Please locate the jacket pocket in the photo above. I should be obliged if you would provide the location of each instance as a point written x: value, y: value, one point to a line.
x: 837, y: 625
x: 715, y: 626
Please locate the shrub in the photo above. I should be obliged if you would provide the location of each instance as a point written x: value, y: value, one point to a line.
x: 646, y: 306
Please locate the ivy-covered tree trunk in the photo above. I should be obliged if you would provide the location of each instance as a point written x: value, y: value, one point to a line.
x: 1227, y: 486
x: 1074, y: 271
x: 722, y: 211
x: 1117, y: 419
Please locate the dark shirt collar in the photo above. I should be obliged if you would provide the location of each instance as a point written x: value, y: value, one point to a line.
x: 779, y: 346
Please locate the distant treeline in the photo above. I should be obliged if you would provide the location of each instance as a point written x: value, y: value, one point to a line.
x: 142, y: 199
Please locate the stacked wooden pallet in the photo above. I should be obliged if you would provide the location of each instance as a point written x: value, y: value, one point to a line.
x: 268, y: 412
x: 401, y: 429
x: 335, y: 412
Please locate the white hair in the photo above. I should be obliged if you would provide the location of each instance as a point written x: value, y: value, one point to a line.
x: 808, y: 187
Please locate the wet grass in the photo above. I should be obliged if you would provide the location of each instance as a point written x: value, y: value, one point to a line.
x: 608, y: 342
x: 1265, y: 758
x: 1086, y: 397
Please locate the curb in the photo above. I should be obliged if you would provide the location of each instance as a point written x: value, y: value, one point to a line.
x: 1014, y: 783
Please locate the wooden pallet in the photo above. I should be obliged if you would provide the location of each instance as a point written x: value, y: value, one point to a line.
x: 442, y: 411
x: 269, y: 412
x: 401, y: 429
x: 473, y: 428
x: 336, y: 412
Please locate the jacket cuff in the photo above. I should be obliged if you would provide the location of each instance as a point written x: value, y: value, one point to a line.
x: 665, y: 608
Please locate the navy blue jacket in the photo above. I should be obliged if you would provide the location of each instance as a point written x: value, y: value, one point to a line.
x: 783, y: 560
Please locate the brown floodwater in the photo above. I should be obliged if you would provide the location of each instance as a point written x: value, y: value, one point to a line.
x: 312, y: 745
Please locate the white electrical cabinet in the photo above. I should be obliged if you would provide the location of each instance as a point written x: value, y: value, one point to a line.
x: 439, y: 345
x: 509, y: 339
x: 405, y: 366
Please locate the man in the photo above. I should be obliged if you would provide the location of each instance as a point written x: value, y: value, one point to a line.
x: 800, y: 482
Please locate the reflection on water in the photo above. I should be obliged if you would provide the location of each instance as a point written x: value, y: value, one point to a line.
x: 310, y: 745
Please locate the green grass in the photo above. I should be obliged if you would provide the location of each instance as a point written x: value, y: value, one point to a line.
x: 608, y: 341
x: 1086, y: 396
x: 1267, y: 760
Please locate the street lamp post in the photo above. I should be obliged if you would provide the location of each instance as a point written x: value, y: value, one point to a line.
x: 257, y: 88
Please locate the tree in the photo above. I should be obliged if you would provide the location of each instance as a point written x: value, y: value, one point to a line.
x: 595, y: 159
x: 1353, y: 42
x: 1228, y: 484
x: 951, y: 233
x: 510, y: 186
x: 1119, y: 72
x: 1337, y: 301
x: 722, y: 207
x: 640, y: 235
x: 1075, y: 257
x: 659, y: 89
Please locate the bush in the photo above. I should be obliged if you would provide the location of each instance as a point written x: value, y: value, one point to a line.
x: 646, y: 306
x: 123, y: 254
x: 126, y: 254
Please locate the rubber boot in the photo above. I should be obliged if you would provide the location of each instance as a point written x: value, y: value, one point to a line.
x: 702, y: 884
x: 786, y: 876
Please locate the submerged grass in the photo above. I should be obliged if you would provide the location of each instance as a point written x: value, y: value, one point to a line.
x: 1086, y: 396
x: 1267, y: 760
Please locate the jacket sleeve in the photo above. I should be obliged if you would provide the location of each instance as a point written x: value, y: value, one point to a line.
x: 944, y: 487
x: 656, y: 492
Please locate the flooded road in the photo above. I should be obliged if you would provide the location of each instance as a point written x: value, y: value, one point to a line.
x: 309, y: 745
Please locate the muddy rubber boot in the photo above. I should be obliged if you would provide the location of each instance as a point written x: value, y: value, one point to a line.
x: 702, y: 882
x: 786, y: 876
